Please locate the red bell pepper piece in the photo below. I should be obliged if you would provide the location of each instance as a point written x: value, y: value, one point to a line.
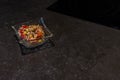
x: 24, y: 26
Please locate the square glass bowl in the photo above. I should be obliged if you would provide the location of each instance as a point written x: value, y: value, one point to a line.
x: 27, y: 44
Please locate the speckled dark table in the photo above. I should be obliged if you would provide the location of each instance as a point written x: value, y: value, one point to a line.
x: 82, y: 51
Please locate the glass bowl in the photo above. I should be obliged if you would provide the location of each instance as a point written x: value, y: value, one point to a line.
x: 26, y: 43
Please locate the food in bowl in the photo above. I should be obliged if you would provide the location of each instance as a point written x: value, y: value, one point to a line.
x: 31, y: 33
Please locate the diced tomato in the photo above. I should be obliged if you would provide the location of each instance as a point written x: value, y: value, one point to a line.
x: 24, y: 26
x: 39, y: 34
x: 22, y: 36
x: 21, y: 31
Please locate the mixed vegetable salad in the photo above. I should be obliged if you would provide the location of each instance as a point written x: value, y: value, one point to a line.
x: 31, y: 33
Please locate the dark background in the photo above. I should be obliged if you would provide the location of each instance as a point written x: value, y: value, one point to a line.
x: 106, y: 12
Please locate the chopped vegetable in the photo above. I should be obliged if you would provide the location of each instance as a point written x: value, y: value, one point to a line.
x: 32, y: 33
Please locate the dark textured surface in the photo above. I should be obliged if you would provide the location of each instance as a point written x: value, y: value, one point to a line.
x: 83, y: 50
